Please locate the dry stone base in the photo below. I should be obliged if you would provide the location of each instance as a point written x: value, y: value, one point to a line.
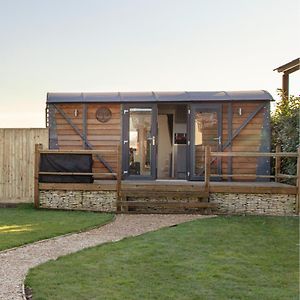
x: 254, y: 204
x: 104, y: 201
x: 228, y: 203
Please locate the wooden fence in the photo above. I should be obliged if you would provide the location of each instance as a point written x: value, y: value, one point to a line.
x: 17, y: 162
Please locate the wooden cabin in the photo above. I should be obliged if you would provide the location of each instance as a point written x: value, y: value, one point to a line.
x: 163, y: 134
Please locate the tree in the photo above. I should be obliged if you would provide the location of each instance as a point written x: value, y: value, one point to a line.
x: 285, y: 130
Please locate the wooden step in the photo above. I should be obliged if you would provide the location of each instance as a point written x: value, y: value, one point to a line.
x: 165, y: 193
x: 171, y: 207
x: 161, y: 187
x: 171, y: 204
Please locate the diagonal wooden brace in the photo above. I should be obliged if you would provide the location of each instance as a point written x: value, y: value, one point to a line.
x: 87, y: 143
x: 243, y: 125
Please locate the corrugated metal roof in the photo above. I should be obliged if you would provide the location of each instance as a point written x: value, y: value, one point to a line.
x: 125, y: 97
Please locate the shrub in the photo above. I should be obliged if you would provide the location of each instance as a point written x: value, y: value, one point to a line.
x: 285, y: 130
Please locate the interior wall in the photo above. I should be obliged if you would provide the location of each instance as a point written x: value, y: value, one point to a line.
x: 179, y: 150
x: 164, y: 147
x: 167, y: 146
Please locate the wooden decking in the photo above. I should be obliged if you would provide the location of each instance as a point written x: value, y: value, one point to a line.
x: 177, y: 186
x: 174, y: 190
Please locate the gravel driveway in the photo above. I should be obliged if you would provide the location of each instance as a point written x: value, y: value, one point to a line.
x: 15, y: 263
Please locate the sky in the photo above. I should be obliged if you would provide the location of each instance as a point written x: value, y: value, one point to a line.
x: 140, y: 45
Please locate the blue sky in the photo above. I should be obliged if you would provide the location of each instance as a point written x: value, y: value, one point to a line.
x: 131, y: 45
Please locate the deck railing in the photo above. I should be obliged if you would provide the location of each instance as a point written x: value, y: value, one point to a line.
x: 103, y: 175
x: 207, y: 177
x: 277, y: 155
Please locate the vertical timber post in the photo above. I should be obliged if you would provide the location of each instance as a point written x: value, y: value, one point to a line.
x: 53, y: 138
x: 37, y: 158
x: 298, y: 184
x: 285, y: 85
x: 84, y: 125
x: 119, y: 176
x: 277, y: 163
x: 207, y: 168
x: 229, y: 132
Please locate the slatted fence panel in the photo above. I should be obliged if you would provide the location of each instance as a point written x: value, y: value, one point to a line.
x: 17, y: 162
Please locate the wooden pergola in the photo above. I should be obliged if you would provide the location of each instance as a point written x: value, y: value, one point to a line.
x: 287, y: 69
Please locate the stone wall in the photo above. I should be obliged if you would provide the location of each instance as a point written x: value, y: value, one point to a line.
x: 254, y: 204
x: 228, y: 203
x: 79, y: 200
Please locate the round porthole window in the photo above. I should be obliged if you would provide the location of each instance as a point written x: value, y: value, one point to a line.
x: 103, y: 114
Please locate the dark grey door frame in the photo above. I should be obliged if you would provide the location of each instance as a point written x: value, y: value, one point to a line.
x: 193, y: 108
x: 125, y: 141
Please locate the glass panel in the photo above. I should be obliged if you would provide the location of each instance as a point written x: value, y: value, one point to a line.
x: 140, y: 140
x: 206, y: 133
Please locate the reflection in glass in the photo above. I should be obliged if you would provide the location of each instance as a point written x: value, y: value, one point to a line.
x: 140, y: 141
x: 206, y: 133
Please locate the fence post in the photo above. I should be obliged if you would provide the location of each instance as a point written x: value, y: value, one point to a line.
x: 207, y: 168
x: 119, y: 176
x: 277, y: 163
x: 37, y: 157
x: 298, y: 183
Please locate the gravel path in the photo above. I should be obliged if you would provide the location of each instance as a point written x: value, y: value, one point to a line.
x: 15, y: 263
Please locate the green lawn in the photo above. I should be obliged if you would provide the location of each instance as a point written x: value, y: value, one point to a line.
x: 217, y: 258
x: 24, y: 224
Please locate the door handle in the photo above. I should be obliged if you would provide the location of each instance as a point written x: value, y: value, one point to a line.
x: 219, y: 140
x: 153, y: 139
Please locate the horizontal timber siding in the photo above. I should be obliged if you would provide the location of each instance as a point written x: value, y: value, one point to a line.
x: 107, y: 135
x: 102, y: 136
x: 249, y: 139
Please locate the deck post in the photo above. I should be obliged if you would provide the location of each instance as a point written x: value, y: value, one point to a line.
x: 207, y: 168
x: 37, y: 158
x: 298, y: 184
x: 277, y: 163
x: 119, y: 176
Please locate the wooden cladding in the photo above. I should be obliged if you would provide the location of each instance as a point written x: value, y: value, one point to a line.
x: 243, y: 126
x: 100, y: 135
x: 248, y: 139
